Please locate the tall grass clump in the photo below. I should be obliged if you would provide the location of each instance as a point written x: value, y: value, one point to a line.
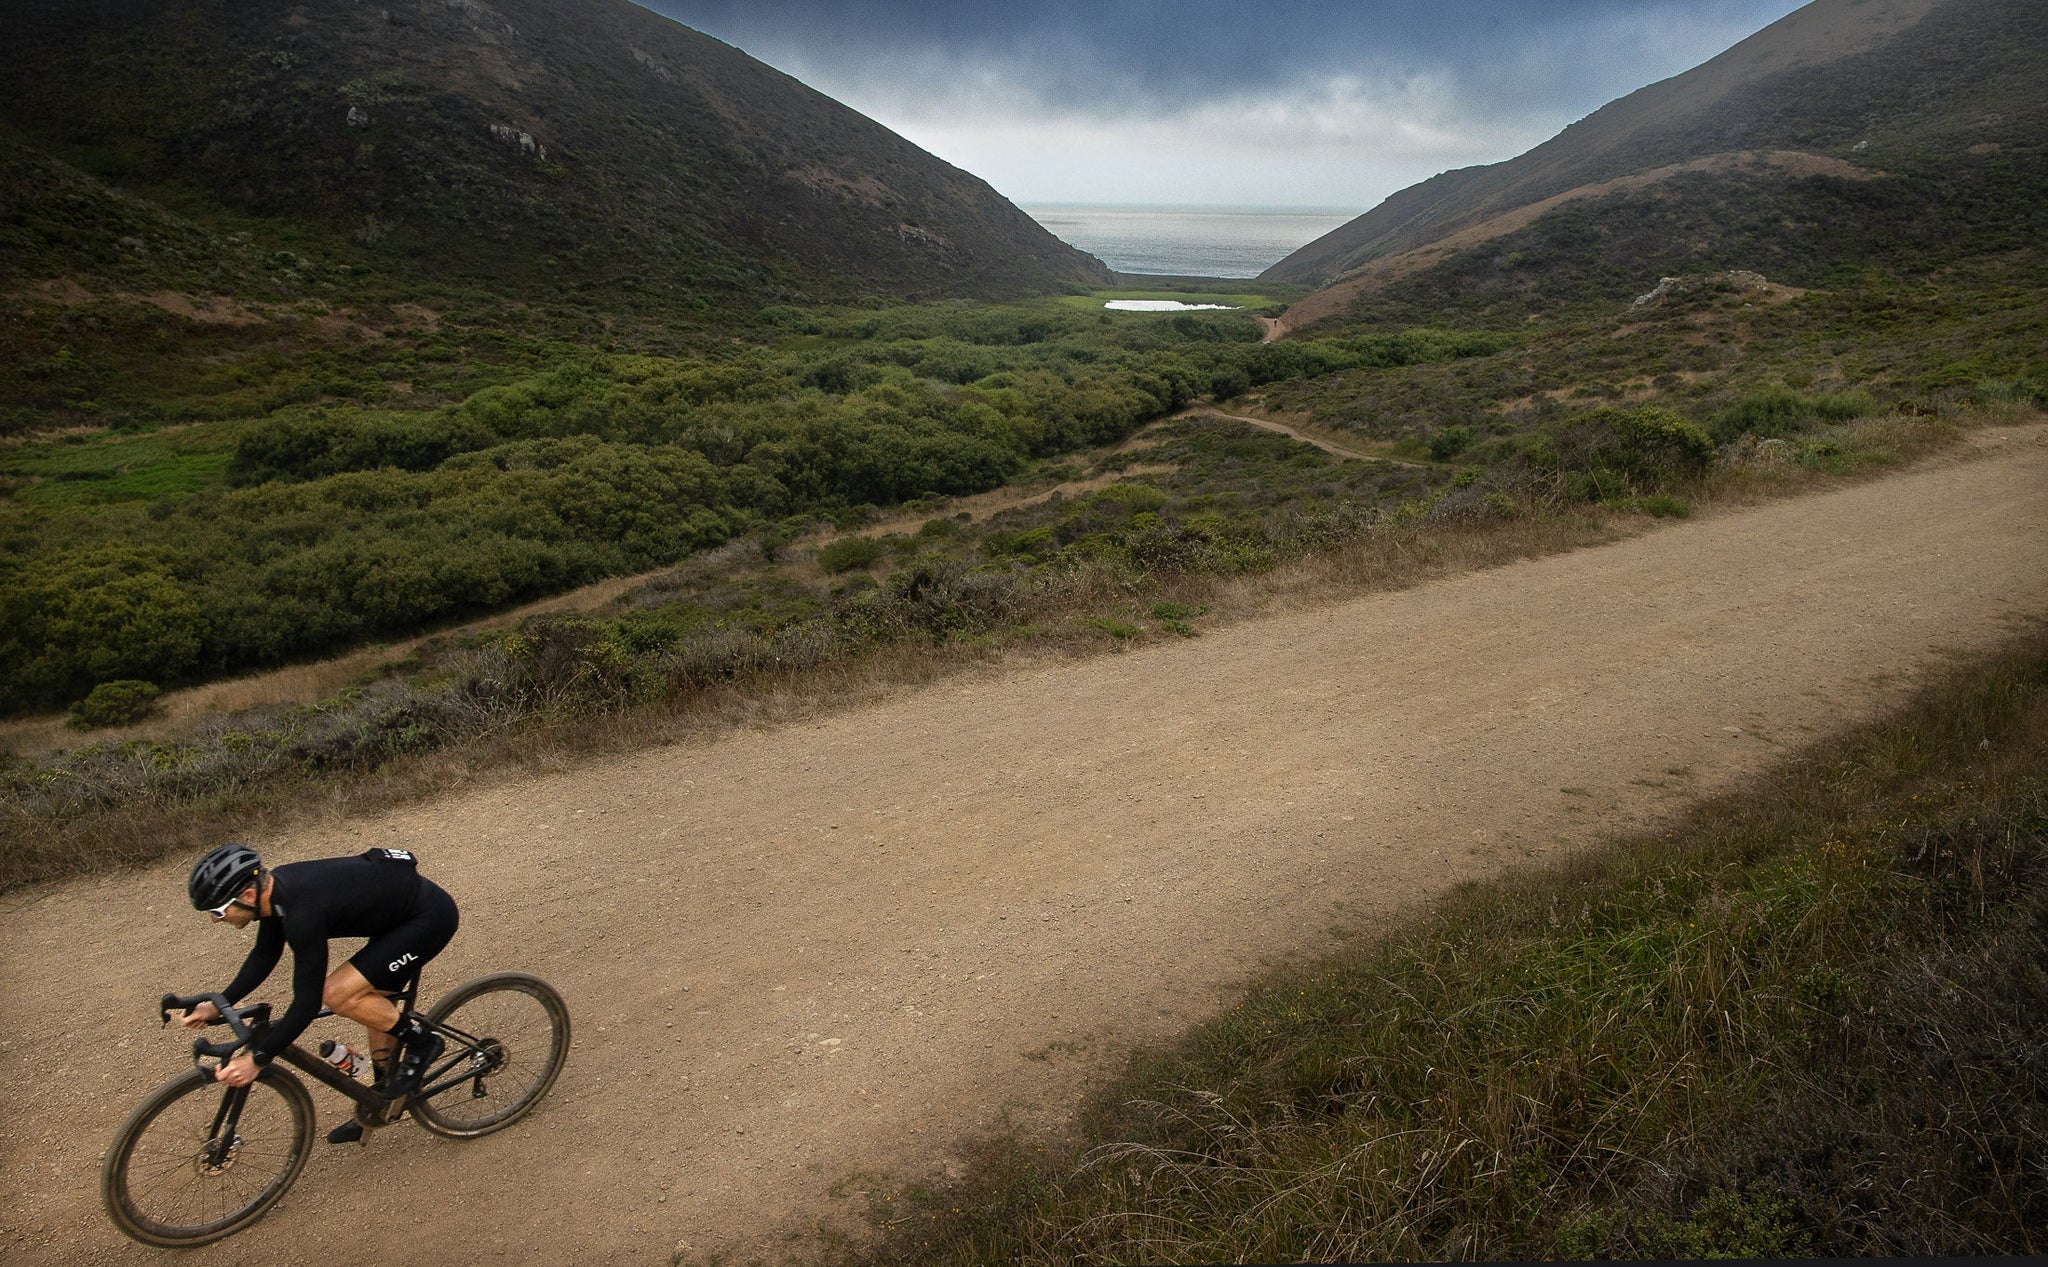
x: 1777, y: 411
x: 1805, y: 1022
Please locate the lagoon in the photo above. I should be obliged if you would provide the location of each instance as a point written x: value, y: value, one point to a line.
x: 1161, y: 305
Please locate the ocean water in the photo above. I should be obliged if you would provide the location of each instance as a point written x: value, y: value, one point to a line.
x: 1187, y: 241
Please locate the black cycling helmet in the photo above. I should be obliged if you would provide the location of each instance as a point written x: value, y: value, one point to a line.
x: 221, y: 874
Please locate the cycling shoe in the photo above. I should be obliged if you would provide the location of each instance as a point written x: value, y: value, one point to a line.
x: 346, y: 1133
x: 413, y: 1059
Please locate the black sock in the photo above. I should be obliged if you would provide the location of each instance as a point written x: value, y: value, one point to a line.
x: 407, y: 1029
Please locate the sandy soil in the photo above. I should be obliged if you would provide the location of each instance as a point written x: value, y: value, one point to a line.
x: 811, y: 952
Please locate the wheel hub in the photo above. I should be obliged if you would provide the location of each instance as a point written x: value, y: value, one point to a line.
x: 218, y: 1156
x: 487, y: 1058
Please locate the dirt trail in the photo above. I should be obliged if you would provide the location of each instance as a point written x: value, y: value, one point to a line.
x: 801, y: 952
x: 1267, y: 424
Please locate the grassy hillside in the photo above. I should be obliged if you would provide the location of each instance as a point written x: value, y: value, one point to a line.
x: 1668, y: 121
x: 1913, y: 148
x: 547, y: 152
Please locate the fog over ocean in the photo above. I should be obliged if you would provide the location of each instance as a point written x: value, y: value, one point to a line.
x: 1187, y: 241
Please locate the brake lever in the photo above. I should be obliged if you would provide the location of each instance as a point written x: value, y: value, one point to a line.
x: 229, y: 1014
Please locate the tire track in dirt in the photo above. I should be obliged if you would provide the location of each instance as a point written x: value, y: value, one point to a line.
x: 827, y: 948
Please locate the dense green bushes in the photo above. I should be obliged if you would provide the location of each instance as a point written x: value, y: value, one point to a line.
x: 337, y: 524
x: 96, y: 614
x: 304, y: 447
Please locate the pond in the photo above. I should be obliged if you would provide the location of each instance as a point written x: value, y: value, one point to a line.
x: 1161, y: 305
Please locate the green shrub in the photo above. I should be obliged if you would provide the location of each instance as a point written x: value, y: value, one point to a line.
x: 1646, y: 445
x: 1665, y: 506
x: 1772, y: 411
x: 97, y: 614
x: 1727, y: 1224
x: 1776, y: 411
x: 1117, y: 629
x: 1653, y: 442
x: 2013, y: 391
x: 849, y: 553
x: 118, y: 703
x: 1820, y: 453
x: 1139, y: 498
x: 1841, y: 406
x: 1449, y: 443
x: 1173, y: 617
x: 1601, y: 484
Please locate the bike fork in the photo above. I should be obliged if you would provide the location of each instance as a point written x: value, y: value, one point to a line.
x: 220, y: 1142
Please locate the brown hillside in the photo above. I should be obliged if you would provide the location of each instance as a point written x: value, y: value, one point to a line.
x: 1334, y: 299
x: 1612, y: 142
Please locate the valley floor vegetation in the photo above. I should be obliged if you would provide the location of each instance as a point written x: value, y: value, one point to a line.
x: 788, y: 498
x: 1803, y: 1022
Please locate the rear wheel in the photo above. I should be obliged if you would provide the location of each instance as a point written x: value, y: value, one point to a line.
x: 508, y: 1036
x: 176, y: 1175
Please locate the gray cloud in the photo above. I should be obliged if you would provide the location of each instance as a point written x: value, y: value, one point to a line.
x: 1317, y: 102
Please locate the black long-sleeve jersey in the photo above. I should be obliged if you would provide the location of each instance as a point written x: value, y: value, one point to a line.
x: 311, y: 902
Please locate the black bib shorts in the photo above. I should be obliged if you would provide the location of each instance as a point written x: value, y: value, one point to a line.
x: 388, y: 960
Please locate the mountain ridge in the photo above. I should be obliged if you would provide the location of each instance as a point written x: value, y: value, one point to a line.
x: 1584, y: 152
x: 495, y: 143
x: 1912, y: 147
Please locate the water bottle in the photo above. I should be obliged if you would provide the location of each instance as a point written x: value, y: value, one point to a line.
x: 343, y: 1057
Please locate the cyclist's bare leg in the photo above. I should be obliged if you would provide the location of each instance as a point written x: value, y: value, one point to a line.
x: 348, y: 993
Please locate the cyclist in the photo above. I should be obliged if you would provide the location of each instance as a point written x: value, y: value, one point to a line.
x: 379, y: 894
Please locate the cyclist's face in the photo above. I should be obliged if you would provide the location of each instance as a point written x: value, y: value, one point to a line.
x: 241, y: 911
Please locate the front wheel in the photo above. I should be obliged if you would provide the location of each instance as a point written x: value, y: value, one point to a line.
x: 186, y: 1169
x: 508, y: 1036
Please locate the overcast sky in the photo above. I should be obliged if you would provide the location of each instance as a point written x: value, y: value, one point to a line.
x: 1334, y: 103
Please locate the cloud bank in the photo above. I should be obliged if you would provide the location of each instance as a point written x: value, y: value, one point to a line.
x: 1334, y: 103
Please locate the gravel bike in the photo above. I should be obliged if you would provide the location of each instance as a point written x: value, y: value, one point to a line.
x: 198, y: 1160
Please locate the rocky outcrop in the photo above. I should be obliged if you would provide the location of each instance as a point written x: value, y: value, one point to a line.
x: 1738, y: 279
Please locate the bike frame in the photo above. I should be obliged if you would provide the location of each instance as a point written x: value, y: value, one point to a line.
x: 372, y: 1108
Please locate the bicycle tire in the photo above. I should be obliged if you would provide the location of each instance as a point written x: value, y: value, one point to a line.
x: 157, y: 1156
x: 508, y: 1013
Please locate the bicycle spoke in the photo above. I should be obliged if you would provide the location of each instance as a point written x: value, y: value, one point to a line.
x: 171, y: 1180
x: 508, y: 1036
